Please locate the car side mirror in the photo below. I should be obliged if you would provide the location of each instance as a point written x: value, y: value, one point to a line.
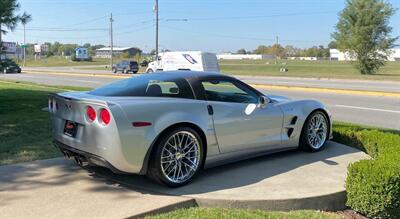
x: 263, y: 101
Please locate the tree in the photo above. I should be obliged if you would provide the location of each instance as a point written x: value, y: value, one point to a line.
x: 8, y: 18
x: 363, y: 31
x: 332, y: 45
x: 241, y: 51
x: 25, y: 18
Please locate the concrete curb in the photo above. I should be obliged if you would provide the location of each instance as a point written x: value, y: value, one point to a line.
x: 169, y: 208
x: 330, y: 202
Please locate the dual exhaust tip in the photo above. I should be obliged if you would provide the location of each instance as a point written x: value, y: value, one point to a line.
x: 80, y: 160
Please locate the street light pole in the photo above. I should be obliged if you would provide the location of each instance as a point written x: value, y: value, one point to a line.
x: 156, y: 11
x: 111, y: 42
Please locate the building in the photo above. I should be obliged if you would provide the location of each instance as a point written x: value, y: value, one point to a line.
x: 345, y: 56
x: 105, y: 52
x: 230, y: 56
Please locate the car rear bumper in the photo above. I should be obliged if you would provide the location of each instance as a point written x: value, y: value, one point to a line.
x: 92, y: 159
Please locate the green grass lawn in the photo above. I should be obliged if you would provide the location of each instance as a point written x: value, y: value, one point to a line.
x: 222, y: 213
x: 319, y: 69
x: 24, y: 127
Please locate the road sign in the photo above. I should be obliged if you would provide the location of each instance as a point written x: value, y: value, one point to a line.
x: 24, y: 46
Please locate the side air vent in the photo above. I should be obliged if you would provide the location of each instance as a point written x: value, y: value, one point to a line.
x: 293, y: 121
x: 289, y: 132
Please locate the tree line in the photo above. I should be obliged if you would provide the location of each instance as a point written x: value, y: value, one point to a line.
x: 290, y: 51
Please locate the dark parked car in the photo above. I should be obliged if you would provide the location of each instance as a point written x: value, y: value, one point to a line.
x: 9, y: 66
x: 126, y: 67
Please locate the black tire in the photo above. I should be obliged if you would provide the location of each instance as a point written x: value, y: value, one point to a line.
x: 305, y: 144
x: 149, y: 71
x: 114, y: 70
x: 155, y: 171
x: 134, y: 72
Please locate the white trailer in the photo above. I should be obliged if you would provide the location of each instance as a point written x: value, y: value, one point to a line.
x: 184, y: 60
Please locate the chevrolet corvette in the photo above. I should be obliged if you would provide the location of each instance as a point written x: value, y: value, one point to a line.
x: 171, y: 125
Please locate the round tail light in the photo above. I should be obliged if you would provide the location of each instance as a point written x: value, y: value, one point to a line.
x: 105, y: 116
x: 90, y: 113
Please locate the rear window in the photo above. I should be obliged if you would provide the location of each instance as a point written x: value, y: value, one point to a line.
x: 147, y: 86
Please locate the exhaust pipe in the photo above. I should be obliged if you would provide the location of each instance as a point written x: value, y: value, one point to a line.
x: 81, y: 161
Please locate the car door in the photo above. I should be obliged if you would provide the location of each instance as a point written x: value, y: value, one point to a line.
x: 239, y: 122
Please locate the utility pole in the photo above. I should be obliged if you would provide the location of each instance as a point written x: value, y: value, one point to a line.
x: 111, y: 42
x: 156, y: 11
x: 276, y: 50
x: 24, y: 47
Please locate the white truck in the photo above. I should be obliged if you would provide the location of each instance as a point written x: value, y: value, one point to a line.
x: 185, y: 60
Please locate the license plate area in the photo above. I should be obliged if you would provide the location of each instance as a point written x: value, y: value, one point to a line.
x: 70, y: 128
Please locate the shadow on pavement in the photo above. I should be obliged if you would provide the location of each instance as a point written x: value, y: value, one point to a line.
x: 235, y: 175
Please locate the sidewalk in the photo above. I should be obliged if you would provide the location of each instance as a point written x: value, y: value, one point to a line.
x: 57, y: 188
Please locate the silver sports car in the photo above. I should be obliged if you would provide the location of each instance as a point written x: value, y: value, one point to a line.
x: 170, y: 125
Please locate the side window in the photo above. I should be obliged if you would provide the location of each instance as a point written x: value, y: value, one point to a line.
x: 178, y: 89
x: 228, y: 91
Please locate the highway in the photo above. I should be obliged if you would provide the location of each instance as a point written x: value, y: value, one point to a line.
x: 373, y: 110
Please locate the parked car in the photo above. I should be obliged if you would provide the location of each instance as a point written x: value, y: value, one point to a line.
x: 126, y: 67
x: 9, y: 66
x: 171, y: 125
x: 185, y: 60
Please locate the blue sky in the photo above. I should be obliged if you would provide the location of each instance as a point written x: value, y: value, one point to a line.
x: 211, y: 25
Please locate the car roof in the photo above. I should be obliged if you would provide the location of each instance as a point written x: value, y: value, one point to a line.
x: 200, y: 75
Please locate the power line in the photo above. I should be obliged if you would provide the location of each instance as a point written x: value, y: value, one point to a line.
x: 65, y: 29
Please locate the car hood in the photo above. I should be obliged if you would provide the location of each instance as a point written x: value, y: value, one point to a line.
x: 278, y: 98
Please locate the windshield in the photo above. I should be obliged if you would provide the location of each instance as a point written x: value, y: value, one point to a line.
x: 148, y: 86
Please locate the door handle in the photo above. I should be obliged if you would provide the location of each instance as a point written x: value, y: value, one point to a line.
x: 210, y: 110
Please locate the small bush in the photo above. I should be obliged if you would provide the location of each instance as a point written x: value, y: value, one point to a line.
x: 373, y: 186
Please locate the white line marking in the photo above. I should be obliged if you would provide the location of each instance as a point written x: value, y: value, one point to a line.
x: 367, y: 108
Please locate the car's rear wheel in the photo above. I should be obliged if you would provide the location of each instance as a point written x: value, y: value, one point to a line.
x: 177, y: 158
x: 315, y: 132
x: 114, y: 70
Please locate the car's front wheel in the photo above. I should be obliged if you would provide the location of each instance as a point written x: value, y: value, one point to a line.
x: 178, y: 157
x: 315, y: 132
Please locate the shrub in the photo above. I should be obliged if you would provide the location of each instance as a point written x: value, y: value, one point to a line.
x: 373, y: 186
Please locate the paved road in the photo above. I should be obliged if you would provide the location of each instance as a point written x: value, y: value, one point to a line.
x: 362, y: 109
x: 368, y: 85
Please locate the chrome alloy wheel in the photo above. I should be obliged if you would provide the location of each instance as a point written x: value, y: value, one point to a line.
x: 180, y: 157
x: 317, y: 131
